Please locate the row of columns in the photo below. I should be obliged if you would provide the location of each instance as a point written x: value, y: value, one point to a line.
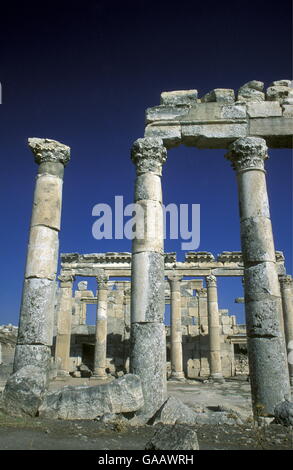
x: 266, y: 347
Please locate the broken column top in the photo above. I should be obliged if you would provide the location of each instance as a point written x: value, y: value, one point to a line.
x: 48, y: 150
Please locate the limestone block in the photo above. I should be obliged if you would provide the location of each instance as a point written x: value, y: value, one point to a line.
x: 262, y: 317
x: 274, y: 126
x: 253, y: 195
x: 148, y: 360
x: 257, y: 240
x: 170, y: 135
x: 288, y: 110
x: 212, y: 135
x: 42, y: 253
x: 268, y: 389
x: 147, y: 294
x: 165, y: 113
x: 37, y: 312
x: 149, y: 234
x: 173, y: 411
x: 221, y: 95
x: 279, y: 93
x: 287, y: 83
x: 261, y: 281
x: 33, y: 355
x: 174, y: 98
x: 47, y: 201
x: 177, y: 437
x: 264, y: 109
x: 25, y: 390
x: 235, y: 111
x: 193, y: 311
x: 122, y: 395
x: 251, y: 91
x: 148, y: 187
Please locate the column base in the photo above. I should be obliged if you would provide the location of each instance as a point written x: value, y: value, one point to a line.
x: 218, y: 378
x: 177, y: 377
x: 98, y: 377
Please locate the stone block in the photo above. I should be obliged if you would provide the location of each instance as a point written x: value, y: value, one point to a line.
x: 42, y: 253
x: 279, y: 93
x: 123, y: 395
x: 148, y: 361
x: 220, y: 95
x: 148, y: 303
x: 176, y: 437
x: 149, y: 234
x: 212, y: 135
x: 170, y: 135
x: 248, y: 93
x: 174, y: 98
x: 235, y: 111
x: 264, y: 109
x: 254, y: 85
x: 287, y: 83
x: 257, y: 240
x: 37, y: 312
x: 32, y: 355
x: 47, y: 201
x: 165, y: 113
x: 284, y: 413
x: 25, y: 391
x: 193, y: 311
x: 148, y: 186
x: 173, y: 411
x: 262, y: 317
x: 288, y: 110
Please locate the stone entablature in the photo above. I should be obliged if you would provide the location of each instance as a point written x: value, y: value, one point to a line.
x: 221, y: 116
x: 227, y: 263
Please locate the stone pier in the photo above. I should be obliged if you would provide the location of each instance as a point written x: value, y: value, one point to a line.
x: 176, y: 328
x: 286, y: 283
x: 62, y: 350
x: 266, y: 348
x: 35, y: 332
x: 214, y: 330
x: 100, y: 357
x: 148, y: 340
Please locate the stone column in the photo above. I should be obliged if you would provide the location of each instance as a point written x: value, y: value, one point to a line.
x: 286, y: 283
x: 100, y: 358
x: 148, y: 337
x: 214, y: 330
x: 266, y: 347
x: 176, y: 328
x: 35, y: 332
x: 62, y: 350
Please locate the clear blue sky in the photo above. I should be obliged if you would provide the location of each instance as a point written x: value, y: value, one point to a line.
x: 83, y: 73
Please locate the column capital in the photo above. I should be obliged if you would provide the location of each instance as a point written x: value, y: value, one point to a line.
x: 149, y: 154
x: 47, y: 150
x: 174, y: 281
x: 285, y: 281
x: 102, y: 280
x: 202, y: 292
x: 248, y: 153
x: 211, y: 280
x: 66, y: 280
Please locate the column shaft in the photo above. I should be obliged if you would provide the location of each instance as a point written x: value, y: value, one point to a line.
x: 100, y: 357
x: 266, y: 348
x: 35, y: 332
x: 176, y: 329
x: 214, y: 329
x: 286, y: 283
x: 148, y: 339
x: 62, y: 350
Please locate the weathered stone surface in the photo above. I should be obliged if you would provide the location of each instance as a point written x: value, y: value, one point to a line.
x: 173, y: 411
x: 221, y: 95
x: 264, y: 109
x: 174, y: 98
x: 257, y: 240
x: 25, y: 391
x: 171, y: 135
x: 33, y: 355
x: 48, y: 150
x: 47, y: 201
x: 262, y: 316
x: 254, y: 85
x: 212, y: 135
x: 287, y: 83
x: 251, y: 91
x: 165, y: 113
x: 279, y: 93
x: 284, y: 413
x: 119, y: 396
x: 267, y: 354
x: 288, y: 109
x: 37, y: 312
x: 147, y: 293
x: 148, y: 360
x: 148, y: 186
x: 177, y: 437
x: 42, y: 255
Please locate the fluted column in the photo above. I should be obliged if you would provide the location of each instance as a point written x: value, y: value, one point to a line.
x: 176, y: 328
x: 35, y: 334
x: 100, y: 358
x: 148, y: 338
x: 214, y: 330
x: 286, y: 283
x: 266, y: 348
x: 62, y: 350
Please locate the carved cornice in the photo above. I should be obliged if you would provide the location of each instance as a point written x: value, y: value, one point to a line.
x: 248, y: 153
x: 230, y: 257
x: 149, y: 154
x: 47, y: 150
x: 199, y: 257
